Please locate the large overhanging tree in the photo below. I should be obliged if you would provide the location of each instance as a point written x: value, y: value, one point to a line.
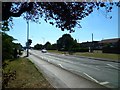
x: 64, y: 15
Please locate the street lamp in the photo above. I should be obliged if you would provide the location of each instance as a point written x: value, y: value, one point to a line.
x: 27, y: 38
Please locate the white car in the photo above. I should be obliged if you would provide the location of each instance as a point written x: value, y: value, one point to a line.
x: 44, y: 51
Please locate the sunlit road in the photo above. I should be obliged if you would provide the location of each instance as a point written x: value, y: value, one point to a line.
x: 102, y: 72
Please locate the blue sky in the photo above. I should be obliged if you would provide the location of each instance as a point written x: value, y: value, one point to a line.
x: 96, y: 23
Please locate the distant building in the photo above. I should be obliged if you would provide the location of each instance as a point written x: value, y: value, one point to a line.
x: 95, y: 45
x: 115, y: 42
x: 106, y: 45
x: 110, y: 45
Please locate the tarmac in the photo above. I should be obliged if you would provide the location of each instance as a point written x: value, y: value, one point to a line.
x: 60, y: 78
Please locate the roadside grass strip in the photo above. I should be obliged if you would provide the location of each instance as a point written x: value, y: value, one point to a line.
x: 21, y: 73
x: 94, y: 54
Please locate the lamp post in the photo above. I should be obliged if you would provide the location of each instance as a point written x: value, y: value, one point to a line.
x: 27, y: 38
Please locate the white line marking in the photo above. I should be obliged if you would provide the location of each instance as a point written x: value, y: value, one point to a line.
x: 112, y: 66
x: 83, y: 64
x: 103, y: 83
x: 97, y: 68
x: 60, y: 65
x: 91, y: 78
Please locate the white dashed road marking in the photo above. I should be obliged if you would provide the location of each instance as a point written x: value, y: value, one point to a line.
x: 112, y: 66
x: 103, y: 83
x: 91, y: 78
x: 60, y: 65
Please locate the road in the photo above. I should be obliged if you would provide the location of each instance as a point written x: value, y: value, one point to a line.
x: 101, y: 72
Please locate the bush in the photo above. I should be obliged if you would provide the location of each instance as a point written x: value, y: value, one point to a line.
x: 115, y: 50
x: 80, y: 49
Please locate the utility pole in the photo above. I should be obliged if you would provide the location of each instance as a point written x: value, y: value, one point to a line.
x: 92, y: 37
x: 27, y: 38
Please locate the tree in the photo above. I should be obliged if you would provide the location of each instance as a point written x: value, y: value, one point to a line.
x: 64, y: 15
x: 38, y: 46
x: 48, y: 45
x: 7, y: 46
x: 54, y: 47
x: 66, y: 42
x: 18, y: 46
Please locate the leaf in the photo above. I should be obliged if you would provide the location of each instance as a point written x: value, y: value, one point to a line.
x: 51, y: 23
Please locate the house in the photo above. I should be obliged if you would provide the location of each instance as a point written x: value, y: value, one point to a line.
x: 95, y: 45
x: 115, y: 42
x: 106, y: 45
x: 110, y: 45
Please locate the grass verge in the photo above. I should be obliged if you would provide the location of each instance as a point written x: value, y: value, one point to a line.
x: 100, y: 55
x: 95, y: 54
x: 56, y: 51
x: 21, y: 73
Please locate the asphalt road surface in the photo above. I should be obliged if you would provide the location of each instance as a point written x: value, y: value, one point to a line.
x: 101, y: 72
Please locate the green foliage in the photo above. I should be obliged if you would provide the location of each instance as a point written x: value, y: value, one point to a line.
x: 7, y: 24
x: 114, y: 50
x: 7, y: 46
x: 22, y: 73
x: 64, y: 15
x: 47, y: 45
x: 66, y: 43
x: 80, y: 49
x: 38, y: 46
x: 107, y: 45
x: 17, y: 45
x: 50, y: 46
x: 53, y: 47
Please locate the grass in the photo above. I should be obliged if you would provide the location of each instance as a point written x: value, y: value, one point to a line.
x: 96, y: 54
x: 23, y: 74
x: 100, y: 55
x: 56, y: 51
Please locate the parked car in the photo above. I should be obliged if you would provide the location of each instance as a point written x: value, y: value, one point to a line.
x: 44, y: 51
